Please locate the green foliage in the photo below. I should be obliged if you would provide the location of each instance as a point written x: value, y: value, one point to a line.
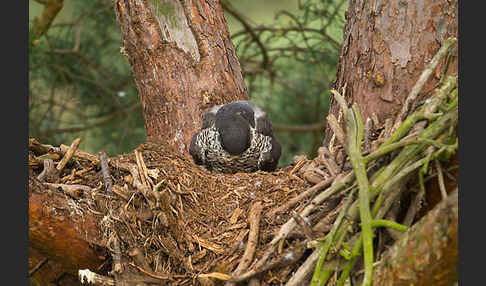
x: 81, y: 84
x: 290, y: 64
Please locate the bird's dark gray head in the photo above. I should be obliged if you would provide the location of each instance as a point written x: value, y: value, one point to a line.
x: 233, y: 124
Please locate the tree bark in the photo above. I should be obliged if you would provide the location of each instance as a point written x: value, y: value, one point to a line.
x: 427, y: 253
x: 183, y: 62
x: 67, y: 243
x: 387, y: 45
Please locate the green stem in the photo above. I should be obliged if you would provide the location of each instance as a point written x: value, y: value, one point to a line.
x: 355, y: 135
x: 427, y: 109
x: 350, y: 264
x: 388, y: 223
x: 319, y: 278
x: 383, y: 150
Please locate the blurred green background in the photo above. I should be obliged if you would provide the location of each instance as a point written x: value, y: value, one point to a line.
x: 81, y: 85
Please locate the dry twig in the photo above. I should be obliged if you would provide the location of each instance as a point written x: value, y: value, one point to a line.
x: 69, y: 154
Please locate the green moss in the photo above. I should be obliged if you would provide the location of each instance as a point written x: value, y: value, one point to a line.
x: 166, y: 8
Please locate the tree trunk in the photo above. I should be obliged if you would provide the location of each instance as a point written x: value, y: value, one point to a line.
x: 183, y: 62
x: 387, y: 45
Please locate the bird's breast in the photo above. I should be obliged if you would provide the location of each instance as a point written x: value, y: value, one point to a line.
x: 216, y: 158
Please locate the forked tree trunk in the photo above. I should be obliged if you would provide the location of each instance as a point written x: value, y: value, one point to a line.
x: 387, y: 45
x: 183, y: 62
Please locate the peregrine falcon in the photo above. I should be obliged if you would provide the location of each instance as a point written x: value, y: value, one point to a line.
x: 236, y: 137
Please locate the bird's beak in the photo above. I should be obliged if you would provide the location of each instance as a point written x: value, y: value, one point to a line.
x: 235, y: 157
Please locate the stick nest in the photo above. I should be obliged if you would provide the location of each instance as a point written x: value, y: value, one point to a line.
x: 182, y: 220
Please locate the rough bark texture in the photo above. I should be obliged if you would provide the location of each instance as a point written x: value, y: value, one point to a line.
x: 427, y: 253
x: 387, y: 45
x: 183, y: 62
x: 68, y: 243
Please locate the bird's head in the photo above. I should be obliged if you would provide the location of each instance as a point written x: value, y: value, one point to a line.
x: 233, y: 126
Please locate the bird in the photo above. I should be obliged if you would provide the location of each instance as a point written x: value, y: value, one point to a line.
x: 236, y: 137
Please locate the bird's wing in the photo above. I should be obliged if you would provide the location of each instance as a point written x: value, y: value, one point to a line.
x: 209, y: 117
x: 195, y: 150
x: 269, y: 160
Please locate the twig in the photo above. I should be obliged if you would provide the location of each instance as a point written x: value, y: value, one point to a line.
x: 304, y: 226
x: 308, y: 193
x: 86, y: 276
x: 440, y: 177
x: 38, y: 266
x: 116, y: 254
x: 77, y: 41
x: 450, y: 55
x: 336, y: 129
x: 106, y: 172
x: 396, y: 171
x: 328, y: 161
x: 389, y: 224
x: 227, y: 6
x: 368, y: 129
x: 319, y: 126
x: 378, y: 215
x: 286, y: 258
x: 48, y: 170
x: 391, y: 201
x: 239, y: 239
x: 319, y: 277
x: 426, y: 110
x: 383, y: 150
x: 146, y: 181
x: 75, y: 190
x: 254, y: 220
x: 303, y: 270
x: 68, y: 154
x: 153, y: 275
x: 423, y: 79
x: 111, y: 117
x: 81, y: 154
x: 290, y: 224
x: 298, y: 166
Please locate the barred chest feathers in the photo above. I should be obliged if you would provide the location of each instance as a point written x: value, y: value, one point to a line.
x: 216, y: 158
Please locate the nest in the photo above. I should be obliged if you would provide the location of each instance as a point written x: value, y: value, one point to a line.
x: 173, y: 219
x: 167, y: 221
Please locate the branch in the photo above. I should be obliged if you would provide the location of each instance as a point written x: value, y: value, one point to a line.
x: 249, y: 29
x: 319, y: 126
x: 423, y: 79
x: 355, y: 136
x: 103, y: 122
x: 45, y: 19
x: 54, y: 233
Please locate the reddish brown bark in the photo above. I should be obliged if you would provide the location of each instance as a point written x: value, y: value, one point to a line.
x: 178, y: 80
x: 387, y: 45
x: 53, y: 234
x: 427, y: 253
x: 183, y: 62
